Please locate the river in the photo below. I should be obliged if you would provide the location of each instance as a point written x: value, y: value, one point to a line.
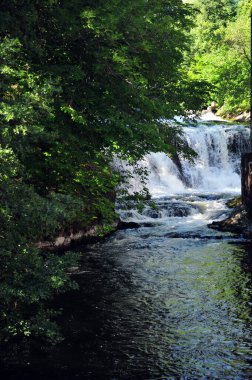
x: 171, y: 299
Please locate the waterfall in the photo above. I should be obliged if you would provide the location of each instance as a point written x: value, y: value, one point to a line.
x: 215, y: 169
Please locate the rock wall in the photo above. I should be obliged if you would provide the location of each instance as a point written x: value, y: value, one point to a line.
x: 246, y: 179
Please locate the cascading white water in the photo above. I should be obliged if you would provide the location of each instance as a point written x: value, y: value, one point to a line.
x: 189, y: 195
x: 215, y: 169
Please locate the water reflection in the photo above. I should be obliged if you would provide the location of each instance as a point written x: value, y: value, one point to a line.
x: 199, y: 302
x: 171, y: 308
x: 156, y: 308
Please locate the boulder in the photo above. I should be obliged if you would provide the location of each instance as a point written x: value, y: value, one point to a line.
x: 243, y: 117
x: 238, y: 222
x: 125, y: 225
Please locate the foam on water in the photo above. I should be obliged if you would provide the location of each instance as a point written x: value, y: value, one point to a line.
x: 216, y: 168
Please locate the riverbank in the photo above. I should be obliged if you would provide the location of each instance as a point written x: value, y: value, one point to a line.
x: 77, y: 235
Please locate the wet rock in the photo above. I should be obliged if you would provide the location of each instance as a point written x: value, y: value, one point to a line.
x: 177, y: 209
x: 148, y: 224
x: 125, y: 225
x: 237, y: 222
x: 169, y: 209
x: 238, y: 143
x: 152, y: 213
x: 130, y: 225
x: 194, y: 236
x: 234, y: 202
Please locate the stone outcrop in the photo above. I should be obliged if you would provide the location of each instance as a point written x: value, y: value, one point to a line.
x: 127, y: 225
x: 238, y: 222
x: 243, y: 117
x: 66, y: 239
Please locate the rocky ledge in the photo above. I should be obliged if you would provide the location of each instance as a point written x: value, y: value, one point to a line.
x: 238, y: 222
x: 242, y: 117
x: 75, y: 236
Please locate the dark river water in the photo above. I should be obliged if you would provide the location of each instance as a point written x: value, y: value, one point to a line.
x: 163, y: 307
x: 157, y: 303
x: 169, y: 300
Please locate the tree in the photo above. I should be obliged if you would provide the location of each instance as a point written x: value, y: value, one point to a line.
x: 221, y: 53
x: 81, y: 82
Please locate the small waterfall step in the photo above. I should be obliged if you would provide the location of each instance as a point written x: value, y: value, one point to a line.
x: 190, y: 196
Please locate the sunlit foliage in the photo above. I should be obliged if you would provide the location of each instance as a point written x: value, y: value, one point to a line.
x: 81, y: 82
x: 221, y: 52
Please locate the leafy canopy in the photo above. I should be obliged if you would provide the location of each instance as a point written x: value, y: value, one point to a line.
x: 81, y: 82
x: 221, y: 52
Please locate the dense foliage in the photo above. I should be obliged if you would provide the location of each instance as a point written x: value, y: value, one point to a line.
x: 81, y: 82
x: 221, y: 52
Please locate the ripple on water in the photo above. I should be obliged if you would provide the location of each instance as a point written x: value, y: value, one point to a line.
x: 153, y: 305
x: 175, y: 308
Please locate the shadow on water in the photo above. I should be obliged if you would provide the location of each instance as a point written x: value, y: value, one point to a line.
x: 153, y: 309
